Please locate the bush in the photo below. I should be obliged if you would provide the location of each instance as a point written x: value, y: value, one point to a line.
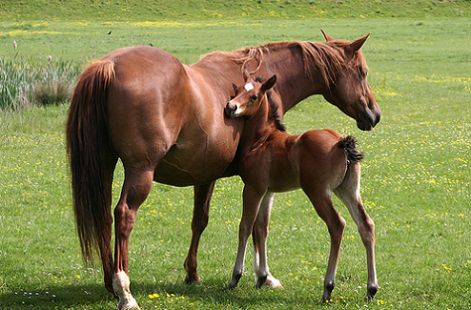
x: 22, y: 84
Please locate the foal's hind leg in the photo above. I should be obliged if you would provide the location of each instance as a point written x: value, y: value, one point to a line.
x: 349, y: 193
x: 137, y: 185
x: 335, y: 224
x: 202, y: 198
x: 259, y: 235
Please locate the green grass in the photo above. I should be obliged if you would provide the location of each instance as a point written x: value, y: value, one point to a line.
x: 206, y: 9
x: 416, y: 177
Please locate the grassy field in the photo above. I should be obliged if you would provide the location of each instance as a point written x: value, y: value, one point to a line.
x: 416, y: 175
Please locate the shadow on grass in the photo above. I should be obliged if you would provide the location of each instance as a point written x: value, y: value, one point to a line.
x: 95, y: 296
x: 55, y: 297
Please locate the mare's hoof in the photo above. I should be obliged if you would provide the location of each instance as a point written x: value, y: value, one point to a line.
x: 128, y: 304
x: 192, y: 279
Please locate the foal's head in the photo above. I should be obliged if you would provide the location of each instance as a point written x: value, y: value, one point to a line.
x: 349, y: 89
x: 249, y: 98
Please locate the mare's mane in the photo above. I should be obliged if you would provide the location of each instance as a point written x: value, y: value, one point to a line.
x: 326, y: 57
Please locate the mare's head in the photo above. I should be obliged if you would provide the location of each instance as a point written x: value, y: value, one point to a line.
x: 347, y: 87
x: 248, y: 98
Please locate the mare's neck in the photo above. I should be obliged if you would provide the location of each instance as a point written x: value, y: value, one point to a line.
x: 293, y: 82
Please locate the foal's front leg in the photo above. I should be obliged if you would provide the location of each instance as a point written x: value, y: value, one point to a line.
x: 252, y: 199
x: 259, y: 235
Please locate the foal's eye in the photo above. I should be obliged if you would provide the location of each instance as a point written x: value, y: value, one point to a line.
x: 253, y: 97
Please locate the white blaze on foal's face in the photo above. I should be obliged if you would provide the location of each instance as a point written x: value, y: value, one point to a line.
x: 242, y: 99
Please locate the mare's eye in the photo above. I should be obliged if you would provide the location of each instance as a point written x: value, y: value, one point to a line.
x: 253, y: 97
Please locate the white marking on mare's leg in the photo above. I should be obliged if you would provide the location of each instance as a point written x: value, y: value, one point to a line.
x: 121, y: 288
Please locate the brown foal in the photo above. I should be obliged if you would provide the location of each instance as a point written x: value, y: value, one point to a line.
x: 320, y: 162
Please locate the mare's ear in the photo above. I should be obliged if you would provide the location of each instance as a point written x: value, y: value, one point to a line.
x: 269, y: 83
x: 326, y: 36
x: 357, y: 44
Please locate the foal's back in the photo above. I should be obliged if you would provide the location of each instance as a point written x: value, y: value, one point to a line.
x: 285, y: 162
x: 322, y: 161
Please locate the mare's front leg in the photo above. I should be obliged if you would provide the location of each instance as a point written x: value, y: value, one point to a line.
x: 137, y: 185
x: 202, y: 199
x: 260, y: 235
x: 251, y: 202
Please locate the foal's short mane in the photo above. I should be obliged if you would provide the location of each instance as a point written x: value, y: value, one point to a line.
x: 275, y: 116
x: 273, y: 108
x: 326, y: 57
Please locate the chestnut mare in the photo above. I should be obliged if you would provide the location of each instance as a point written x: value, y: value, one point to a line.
x: 320, y: 162
x: 165, y: 121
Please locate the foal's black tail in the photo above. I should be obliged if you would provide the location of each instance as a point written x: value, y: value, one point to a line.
x: 348, y: 143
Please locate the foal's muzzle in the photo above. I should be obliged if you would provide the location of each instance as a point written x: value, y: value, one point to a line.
x: 230, y: 109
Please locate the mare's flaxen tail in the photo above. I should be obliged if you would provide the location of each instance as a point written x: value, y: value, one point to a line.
x: 92, y: 160
x: 348, y: 143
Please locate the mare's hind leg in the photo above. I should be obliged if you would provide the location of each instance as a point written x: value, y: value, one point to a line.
x: 202, y: 198
x: 137, y: 185
x: 252, y: 199
x: 349, y: 193
x: 335, y: 224
x: 259, y: 235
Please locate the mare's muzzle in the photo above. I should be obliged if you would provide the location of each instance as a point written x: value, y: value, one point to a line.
x: 369, y: 118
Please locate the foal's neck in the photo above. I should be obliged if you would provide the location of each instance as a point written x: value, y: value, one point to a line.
x: 259, y: 127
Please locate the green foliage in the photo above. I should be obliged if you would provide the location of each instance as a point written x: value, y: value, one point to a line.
x: 23, y: 84
x: 13, y: 84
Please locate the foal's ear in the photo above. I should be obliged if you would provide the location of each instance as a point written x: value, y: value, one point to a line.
x: 326, y: 36
x: 235, y: 88
x: 269, y: 83
x: 357, y: 44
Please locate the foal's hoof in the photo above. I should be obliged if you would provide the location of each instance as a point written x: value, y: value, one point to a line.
x: 261, y: 281
x: 234, y: 281
x: 326, y: 296
x: 272, y: 282
x: 231, y: 285
x: 371, y: 292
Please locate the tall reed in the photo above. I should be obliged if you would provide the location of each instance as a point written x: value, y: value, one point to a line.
x: 23, y: 84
